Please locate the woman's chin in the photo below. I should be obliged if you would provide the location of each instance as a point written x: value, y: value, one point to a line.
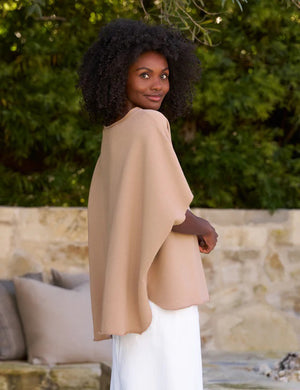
x: 152, y: 106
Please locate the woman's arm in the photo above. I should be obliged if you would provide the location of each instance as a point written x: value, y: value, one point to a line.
x: 207, y: 236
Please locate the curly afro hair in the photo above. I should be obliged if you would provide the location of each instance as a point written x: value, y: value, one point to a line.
x: 104, y: 69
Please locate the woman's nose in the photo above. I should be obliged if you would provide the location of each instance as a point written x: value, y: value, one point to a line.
x: 156, y: 85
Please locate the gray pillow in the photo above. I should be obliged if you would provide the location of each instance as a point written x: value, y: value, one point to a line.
x: 68, y: 280
x: 58, y: 324
x: 12, y: 343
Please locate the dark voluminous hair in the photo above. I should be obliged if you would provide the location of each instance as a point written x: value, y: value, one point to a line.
x: 104, y: 69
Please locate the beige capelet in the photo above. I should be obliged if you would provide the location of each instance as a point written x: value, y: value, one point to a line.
x: 138, y: 192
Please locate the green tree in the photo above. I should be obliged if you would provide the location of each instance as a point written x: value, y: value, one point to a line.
x: 48, y: 147
x: 244, y: 151
x: 239, y: 145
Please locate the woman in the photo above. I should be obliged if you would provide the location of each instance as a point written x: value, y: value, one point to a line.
x: 145, y: 267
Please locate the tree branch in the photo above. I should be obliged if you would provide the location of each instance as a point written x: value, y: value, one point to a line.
x: 51, y: 17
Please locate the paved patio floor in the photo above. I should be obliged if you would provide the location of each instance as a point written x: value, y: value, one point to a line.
x: 224, y: 371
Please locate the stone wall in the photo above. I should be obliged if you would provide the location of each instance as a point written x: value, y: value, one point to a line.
x: 253, y: 274
x: 25, y: 376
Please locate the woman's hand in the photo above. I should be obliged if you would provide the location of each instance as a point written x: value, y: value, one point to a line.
x: 208, y: 241
x: 207, y: 236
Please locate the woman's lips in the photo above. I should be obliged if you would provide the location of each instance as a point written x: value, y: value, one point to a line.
x: 154, y: 98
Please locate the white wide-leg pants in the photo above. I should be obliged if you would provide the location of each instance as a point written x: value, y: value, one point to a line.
x: 167, y: 356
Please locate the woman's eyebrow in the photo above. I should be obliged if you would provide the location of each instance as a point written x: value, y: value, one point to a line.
x: 150, y: 70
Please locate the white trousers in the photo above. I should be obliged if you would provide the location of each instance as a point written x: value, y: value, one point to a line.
x: 167, y: 356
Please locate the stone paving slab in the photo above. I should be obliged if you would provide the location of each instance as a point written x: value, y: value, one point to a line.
x: 221, y: 371
x: 224, y: 371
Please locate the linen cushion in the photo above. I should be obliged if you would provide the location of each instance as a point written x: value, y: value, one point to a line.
x: 12, y: 343
x: 68, y: 280
x: 58, y: 324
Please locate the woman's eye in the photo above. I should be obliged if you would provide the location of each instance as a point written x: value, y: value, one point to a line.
x: 144, y: 76
x: 164, y: 76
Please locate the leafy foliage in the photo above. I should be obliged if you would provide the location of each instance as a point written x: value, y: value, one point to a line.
x: 48, y: 147
x: 247, y: 112
x: 238, y: 147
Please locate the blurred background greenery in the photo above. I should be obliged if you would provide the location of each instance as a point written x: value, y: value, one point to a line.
x: 239, y: 147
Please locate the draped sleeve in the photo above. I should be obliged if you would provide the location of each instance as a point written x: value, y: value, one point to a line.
x: 138, y: 192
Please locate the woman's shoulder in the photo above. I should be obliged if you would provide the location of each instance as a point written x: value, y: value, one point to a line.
x: 140, y: 123
x: 147, y: 112
x: 150, y: 130
x: 150, y: 119
x: 151, y: 114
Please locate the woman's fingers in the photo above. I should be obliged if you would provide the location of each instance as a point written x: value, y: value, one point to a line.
x: 208, y: 241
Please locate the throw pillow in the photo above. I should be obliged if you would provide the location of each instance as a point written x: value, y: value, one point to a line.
x: 68, y: 280
x: 58, y: 324
x: 12, y: 343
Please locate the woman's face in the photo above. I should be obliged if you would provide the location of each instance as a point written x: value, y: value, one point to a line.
x: 148, y: 81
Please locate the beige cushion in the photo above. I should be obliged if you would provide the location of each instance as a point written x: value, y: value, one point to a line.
x: 68, y: 280
x: 12, y: 344
x: 58, y: 324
